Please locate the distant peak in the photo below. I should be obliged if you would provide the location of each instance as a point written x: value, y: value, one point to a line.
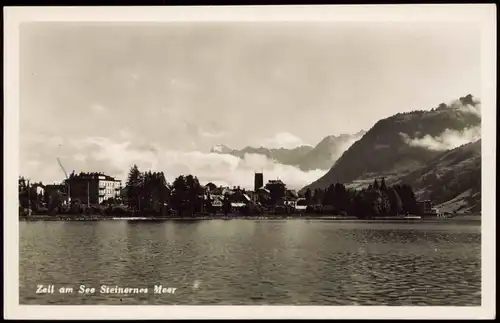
x: 344, y: 135
x: 468, y: 99
x: 220, y: 149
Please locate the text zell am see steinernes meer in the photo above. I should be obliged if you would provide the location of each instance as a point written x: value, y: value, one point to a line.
x: 103, y: 289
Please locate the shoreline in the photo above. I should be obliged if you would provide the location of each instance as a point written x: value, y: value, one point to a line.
x: 242, y: 217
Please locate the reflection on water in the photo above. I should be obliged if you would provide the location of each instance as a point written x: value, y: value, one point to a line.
x: 243, y: 262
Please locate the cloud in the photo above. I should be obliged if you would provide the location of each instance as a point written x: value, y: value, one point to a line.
x: 283, y: 140
x: 125, y: 134
x: 79, y: 157
x: 49, y: 142
x: 207, y: 134
x: 121, y: 155
x: 97, y: 108
x: 449, y: 139
x: 116, y: 157
x: 180, y: 84
x: 471, y: 109
x: 467, y: 108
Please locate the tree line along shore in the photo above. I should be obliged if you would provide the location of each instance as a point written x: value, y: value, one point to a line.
x: 147, y: 194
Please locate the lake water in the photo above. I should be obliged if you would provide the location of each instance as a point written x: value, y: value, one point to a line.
x: 252, y: 262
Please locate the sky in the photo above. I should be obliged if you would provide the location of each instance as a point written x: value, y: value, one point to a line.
x: 102, y: 97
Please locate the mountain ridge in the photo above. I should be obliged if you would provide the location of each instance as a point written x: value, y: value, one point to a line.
x: 384, y: 151
x: 452, y: 180
x: 305, y: 157
x: 413, y: 147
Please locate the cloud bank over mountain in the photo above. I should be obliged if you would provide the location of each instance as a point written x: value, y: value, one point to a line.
x: 406, y: 141
x: 283, y: 140
x: 449, y: 139
x: 286, y: 149
x: 115, y: 157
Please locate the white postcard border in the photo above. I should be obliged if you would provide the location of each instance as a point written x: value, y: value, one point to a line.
x: 483, y: 14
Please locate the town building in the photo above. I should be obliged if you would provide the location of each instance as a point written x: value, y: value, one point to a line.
x: 210, y: 187
x: 40, y: 190
x: 258, y: 181
x: 291, y: 195
x: 93, y: 188
x: 425, y: 207
x: 253, y: 196
x: 216, y: 202
x: 262, y: 196
x: 301, y: 204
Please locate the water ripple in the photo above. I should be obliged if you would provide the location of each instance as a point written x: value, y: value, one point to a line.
x: 242, y: 262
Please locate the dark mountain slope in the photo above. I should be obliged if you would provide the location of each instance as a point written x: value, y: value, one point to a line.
x: 389, y: 148
x: 328, y: 150
x: 454, y: 175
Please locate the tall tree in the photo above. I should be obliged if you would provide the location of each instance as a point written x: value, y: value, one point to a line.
x: 23, y: 192
x: 375, y: 200
x: 194, y: 193
x: 329, y: 198
x: 164, y: 189
x: 395, y: 202
x: 342, y: 198
x: 28, y: 196
x: 318, y: 195
x: 383, y: 186
x: 277, y: 190
x: 361, y: 207
x: 226, y: 204
x: 408, y: 199
x: 133, y: 187
x: 179, y: 194
x: 385, y: 206
x: 308, y: 195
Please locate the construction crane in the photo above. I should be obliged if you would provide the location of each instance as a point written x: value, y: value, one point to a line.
x: 60, y: 164
x: 65, y: 174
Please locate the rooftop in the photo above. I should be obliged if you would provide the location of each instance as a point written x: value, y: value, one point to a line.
x: 275, y: 181
x: 93, y: 175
